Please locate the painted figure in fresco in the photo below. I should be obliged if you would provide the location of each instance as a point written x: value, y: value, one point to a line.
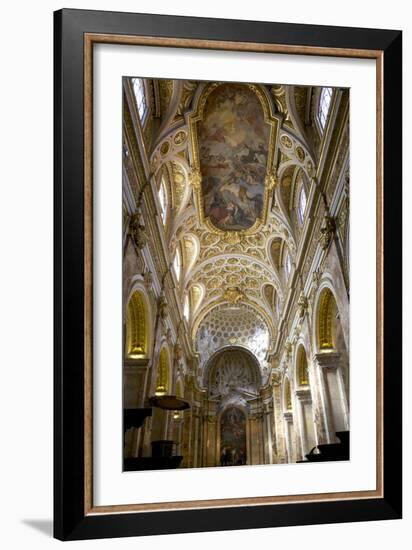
x: 233, y: 437
x: 233, y: 140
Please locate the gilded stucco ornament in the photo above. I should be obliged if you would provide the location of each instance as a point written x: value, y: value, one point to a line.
x: 178, y: 352
x: 256, y: 417
x: 303, y: 305
x: 311, y: 169
x: 233, y: 295
x: 164, y: 148
x: 148, y: 279
x: 300, y: 153
x: 231, y: 237
x: 327, y: 231
x: 286, y: 141
x: 276, y: 377
x: 288, y: 349
x: 195, y: 179
x: 271, y: 181
x: 316, y: 277
x: 162, y: 306
x: 165, y: 94
x: 278, y: 93
x: 137, y: 230
x: 180, y: 137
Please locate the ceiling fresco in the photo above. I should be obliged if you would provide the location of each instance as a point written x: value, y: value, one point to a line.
x: 227, y: 152
x: 233, y: 140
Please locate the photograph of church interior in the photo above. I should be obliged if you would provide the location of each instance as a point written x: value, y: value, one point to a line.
x: 235, y: 274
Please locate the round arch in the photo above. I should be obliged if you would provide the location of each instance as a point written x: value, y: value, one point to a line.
x: 210, y: 306
x: 137, y: 326
x: 227, y: 326
x: 326, y: 307
x: 324, y: 326
x: 213, y: 359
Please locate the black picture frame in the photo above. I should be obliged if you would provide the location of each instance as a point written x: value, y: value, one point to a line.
x: 71, y: 521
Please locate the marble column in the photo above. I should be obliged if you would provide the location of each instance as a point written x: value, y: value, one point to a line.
x: 333, y: 395
x: 135, y: 376
x: 256, y: 439
x: 267, y: 427
x: 289, y: 436
x: 278, y: 441
x: 197, y: 437
x: 307, y: 435
x: 210, y: 439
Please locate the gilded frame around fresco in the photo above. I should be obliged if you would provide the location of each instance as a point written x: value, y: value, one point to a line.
x: 75, y: 516
x: 270, y: 177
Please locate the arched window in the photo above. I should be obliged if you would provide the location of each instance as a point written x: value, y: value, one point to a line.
x: 136, y: 327
x: 162, y: 379
x: 288, y: 264
x: 177, y: 264
x: 302, y: 366
x: 141, y: 101
x: 186, y: 309
x: 302, y: 204
x: 163, y: 199
x: 325, y: 99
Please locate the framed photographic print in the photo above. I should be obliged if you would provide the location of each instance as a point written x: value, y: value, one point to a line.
x: 227, y: 274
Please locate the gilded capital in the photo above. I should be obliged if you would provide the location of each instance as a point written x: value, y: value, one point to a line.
x: 195, y: 179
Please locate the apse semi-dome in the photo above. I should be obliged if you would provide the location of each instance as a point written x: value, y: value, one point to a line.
x: 226, y: 326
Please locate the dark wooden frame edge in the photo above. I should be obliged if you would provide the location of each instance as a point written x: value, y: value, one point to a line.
x: 70, y: 520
